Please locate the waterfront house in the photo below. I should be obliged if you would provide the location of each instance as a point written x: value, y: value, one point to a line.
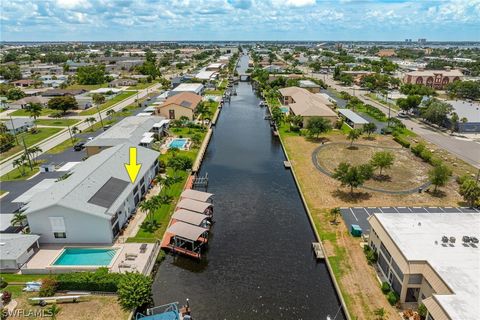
x: 182, y: 104
x: 22, y: 103
x: 137, y: 131
x: 196, y: 88
x: 95, y: 201
x: 303, y: 103
x: 309, y: 85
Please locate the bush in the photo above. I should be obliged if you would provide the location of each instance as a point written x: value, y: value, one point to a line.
x: 48, y: 288
x: 417, y: 149
x: 385, y: 287
x: 99, y: 280
x: 134, y: 290
x: 6, y: 297
x: 3, y: 283
x: 422, y: 311
x: 392, y: 298
x: 401, y: 141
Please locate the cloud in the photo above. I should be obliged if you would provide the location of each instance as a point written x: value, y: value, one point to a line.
x: 240, y: 19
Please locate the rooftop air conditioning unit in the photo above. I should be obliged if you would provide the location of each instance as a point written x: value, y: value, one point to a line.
x: 452, y: 239
x: 445, y: 239
x: 466, y: 239
x: 474, y: 240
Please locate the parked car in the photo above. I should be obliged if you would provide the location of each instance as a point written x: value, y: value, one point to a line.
x: 79, y: 146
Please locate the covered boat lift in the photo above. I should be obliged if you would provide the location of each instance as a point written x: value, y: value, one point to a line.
x: 196, y: 206
x: 197, y: 195
x: 194, y: 218
x: 186, y: 239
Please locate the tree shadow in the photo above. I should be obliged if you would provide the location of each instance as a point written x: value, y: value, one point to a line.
x: 351, y: 197
x: 382, y: 178
x: 321, y: 140
x: 354, y: 147
x: 436, y: 193
x: 369, y: 138
x: 150, y: 226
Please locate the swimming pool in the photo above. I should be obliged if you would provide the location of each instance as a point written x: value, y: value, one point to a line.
x: 284, y: 109
x: 178, y: 143
x: 85, y: 257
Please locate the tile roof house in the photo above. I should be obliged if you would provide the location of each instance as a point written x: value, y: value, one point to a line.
x: 182, y: 104
x: 303, y: 103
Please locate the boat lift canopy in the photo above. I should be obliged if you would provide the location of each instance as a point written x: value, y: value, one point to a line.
x: 190, y: 217
x: 197, y: 195
x: 186, y: 231
x: 193, y: 205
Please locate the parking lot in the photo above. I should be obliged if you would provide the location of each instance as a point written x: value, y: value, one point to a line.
x: 359, y: 215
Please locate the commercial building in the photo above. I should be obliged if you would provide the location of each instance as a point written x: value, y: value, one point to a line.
x: 303, y: 103
x: 137, y: 131
x: 437, y: 79
x: 95, y: 201
x: 180, y: 105
x: 430, y: 258
x: 352, y: 118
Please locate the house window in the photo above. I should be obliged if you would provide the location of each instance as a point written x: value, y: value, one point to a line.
x: 60, y: 235
x: 415, y: 278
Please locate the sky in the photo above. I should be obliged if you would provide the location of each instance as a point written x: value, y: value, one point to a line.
x: 157, y: 20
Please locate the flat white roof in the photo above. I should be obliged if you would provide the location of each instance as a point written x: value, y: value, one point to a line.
x: 39, y: 187
x: 144, y: 114
x: 193, y: 87
x: 352, y: 116
x: 68, y: 166
x: 105, y: 90
x: 205, y: 75
x: 419, y: 237
x: 146, y: 140
x: 161, y: 123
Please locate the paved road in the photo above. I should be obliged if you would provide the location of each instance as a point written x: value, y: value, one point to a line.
x: 64, y: 134
x: 465, y: 149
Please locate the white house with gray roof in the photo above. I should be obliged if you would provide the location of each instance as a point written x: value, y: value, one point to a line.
x: 134, y: 130
x: 16, y: 249
x: 95, y: 201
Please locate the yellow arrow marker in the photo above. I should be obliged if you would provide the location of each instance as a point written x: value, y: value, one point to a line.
x: 133, y: 168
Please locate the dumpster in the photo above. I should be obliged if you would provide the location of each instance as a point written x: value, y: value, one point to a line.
x: 355, y: 230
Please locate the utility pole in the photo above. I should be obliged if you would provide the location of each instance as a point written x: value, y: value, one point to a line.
x: 100, y: 116
x: 26, y: 154
x: 14, y: 131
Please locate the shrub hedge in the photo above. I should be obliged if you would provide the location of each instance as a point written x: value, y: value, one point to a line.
x: 99, y: 280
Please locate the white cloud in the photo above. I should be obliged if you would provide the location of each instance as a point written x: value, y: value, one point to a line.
x: 73, y: 4
x: 299, y: 3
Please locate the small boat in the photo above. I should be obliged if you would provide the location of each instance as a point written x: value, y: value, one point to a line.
x: 262, y: 104
x: 169, y: 311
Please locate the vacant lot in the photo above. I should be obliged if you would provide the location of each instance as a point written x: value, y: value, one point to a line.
x: 97, y: 307
x: 56, y: 122
x: 325, y: 192
x: 407, y: 172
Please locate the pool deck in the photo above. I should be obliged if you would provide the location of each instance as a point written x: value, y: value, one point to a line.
x: 41, y: 261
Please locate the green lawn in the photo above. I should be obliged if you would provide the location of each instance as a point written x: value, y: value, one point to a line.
x: 56, y: 122
x: 162, y: 215
x: 13, y: 277
x: 59, y: 148
x: 109, y: 103
x: 140, y: 86
x: 24, y: 113
x: 16, y: 174
x: 30, y: 139
x: 374, y: 97
x: 87, y: 86
x: 214, y: 92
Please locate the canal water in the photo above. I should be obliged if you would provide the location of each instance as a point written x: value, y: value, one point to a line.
x: 259, y: 263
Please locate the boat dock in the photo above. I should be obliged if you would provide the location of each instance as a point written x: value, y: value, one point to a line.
x: 287, y: 164
x: 318, y: 250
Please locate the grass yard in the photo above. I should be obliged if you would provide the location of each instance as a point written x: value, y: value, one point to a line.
x: 87, y: 87
x: 56, y: 122
x: 30, y: 140
x: 109, y: 103
x: 59, y: 148
x: 16, y: 174
x: 96, y: 307
x: 13, y: 277
x: 214, y: 92
x: 326, y: 192
x: 407, y: 172
x: 24, y: 113
x: 375, y: 98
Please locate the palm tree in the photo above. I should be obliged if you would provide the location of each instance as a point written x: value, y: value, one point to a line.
x: 203, y: 111
x: 33, y: 151
x: 91, y: 120
x: 110, y: 112
x: 75, y: 130
x: 148, y: 206
x: 19, y: 163
x: 34, y: 110
x: 18, y: 219
x: 335, y: 212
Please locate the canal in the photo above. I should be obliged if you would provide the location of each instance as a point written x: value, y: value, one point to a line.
x: 259, y: 264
